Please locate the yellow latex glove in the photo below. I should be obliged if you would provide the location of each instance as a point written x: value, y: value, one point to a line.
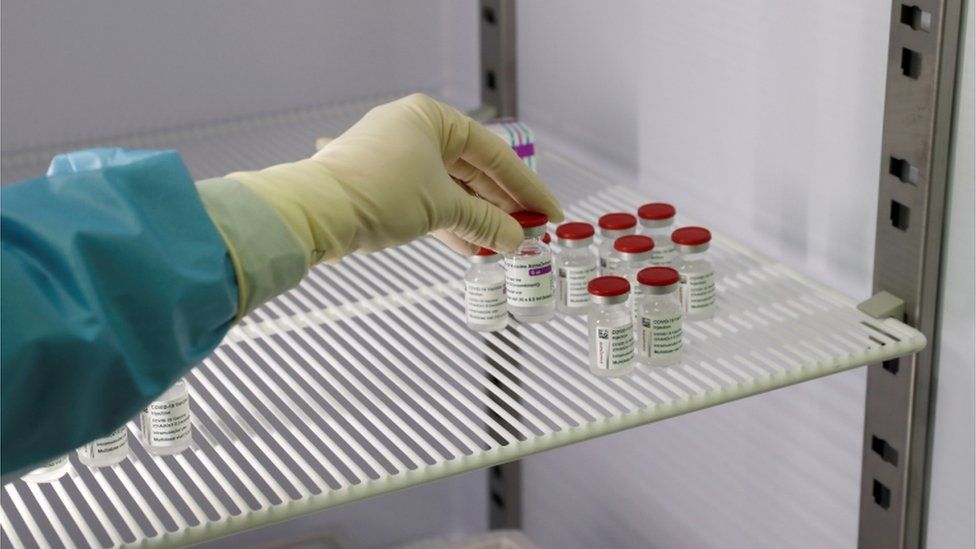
x: 408, y: 168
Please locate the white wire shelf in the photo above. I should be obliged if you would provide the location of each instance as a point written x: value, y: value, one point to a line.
x: 364, y: 380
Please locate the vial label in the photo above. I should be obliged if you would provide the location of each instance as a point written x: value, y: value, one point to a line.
x: 112, y: 448
x: 663, y: 256
x: 614, y: 346
x: 167, y: 422
x: 573, y: 283
x: 660, y: 337
x: 608, y: 265
x: 697, y: 292
x: 528, y: 280
x: 485, y: 303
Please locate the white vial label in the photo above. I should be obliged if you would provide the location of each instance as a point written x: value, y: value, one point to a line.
x: 528, y: 280
x: 660, y: 337
x: 608, y: 265
x: 106, y: 450
x: 167, y: 422
x: 663, y: 256
x: 573, y: 281
x: 697, y: 292
x: 485, y: 303
x: 614, y: 346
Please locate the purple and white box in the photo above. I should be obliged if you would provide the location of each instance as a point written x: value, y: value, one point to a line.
x: 518, y: 136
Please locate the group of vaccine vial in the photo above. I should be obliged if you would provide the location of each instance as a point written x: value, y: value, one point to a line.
x: 636, y: 287
x: 165, y: 426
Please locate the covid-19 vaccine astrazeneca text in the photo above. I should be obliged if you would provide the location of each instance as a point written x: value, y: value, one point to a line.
x: 528, y: 272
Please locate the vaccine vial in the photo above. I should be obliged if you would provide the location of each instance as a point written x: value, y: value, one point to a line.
x: 528, y: 272
x: 610, y: 327
x: 485, y: 305
x: 658, y: 330
x: 166, y: 422
x: 575, y: 266
x: 697, y: 290
x: 50, y: 471
x: 633, y: 254
x: 655, y: 221
x: 612, y: 227
x: 107, y: 450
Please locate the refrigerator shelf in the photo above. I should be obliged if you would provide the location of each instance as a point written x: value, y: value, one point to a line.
x: 365, y: 380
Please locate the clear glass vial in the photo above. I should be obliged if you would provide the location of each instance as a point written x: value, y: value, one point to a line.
x: 50, y: 471
x: 106, y: 451
x: 697, y: 290
x: 634, y: 254
x: 528, y: 272
x: 656, y: 219
x: 575, y: 265
x: 485, y: 305
x: 166, y: 428
x: 610, y: 327
x: 658, y: 330
x: 612, y: 227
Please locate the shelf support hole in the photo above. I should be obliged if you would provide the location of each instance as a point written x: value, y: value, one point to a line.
x: 882, y: 495
x: 899, y: 215
x: 891, y: 365
x: 911, y: 63
x: 488, y: 14
x: 916, y: 18
x: 881, y: 447
x: 903, y: 170
x: 490, y: 79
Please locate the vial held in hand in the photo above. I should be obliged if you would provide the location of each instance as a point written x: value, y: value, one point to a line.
x: 528, y: 272
x: 697, y: 290
x: 165, y: 422
x: 485, y: 305
x: 611, y: 329
x: 575, y: 266
x: 658, y: 329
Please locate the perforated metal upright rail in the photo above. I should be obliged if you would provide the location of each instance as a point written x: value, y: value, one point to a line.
x: 365, y: 380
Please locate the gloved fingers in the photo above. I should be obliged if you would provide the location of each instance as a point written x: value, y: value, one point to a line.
x: 321, y: 142
x: 484, y: 186
x: 455, y: 242
x: 489, y: 154
x: 484, y: 224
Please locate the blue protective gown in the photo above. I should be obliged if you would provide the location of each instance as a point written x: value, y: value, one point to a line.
x: 115, y: 282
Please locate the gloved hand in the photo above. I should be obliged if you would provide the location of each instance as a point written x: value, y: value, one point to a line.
x: 406, y: 169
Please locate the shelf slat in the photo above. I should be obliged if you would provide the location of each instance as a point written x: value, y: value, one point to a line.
x: 364, y: 380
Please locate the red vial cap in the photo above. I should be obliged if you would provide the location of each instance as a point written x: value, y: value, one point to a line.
x: 530, y: 219
x: 486, y: 251
x: 574, y: 231
x: 608, y: 286
x: 691, y: 236
x: 658, y: 276
x: 633, y: 244
x: 546, y: 239
x: 617, y: 221
x: 656, y: 211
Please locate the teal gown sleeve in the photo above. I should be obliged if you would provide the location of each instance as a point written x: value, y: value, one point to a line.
x: 115, y: 283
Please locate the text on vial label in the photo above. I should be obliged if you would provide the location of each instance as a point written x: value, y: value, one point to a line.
x: 112, y: 445
x: 167, y: 423
x: 660, y: 337
x: 614, y: 346
x: 572, y: 285
x: 697, y: 291
x: 528, y: 280
x: 663, y: 255
x: 485, y: 303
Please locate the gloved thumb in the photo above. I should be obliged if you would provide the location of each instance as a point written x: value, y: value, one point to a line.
x: 482, y: 223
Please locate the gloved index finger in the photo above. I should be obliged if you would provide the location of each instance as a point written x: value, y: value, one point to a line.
x: 490, y: 154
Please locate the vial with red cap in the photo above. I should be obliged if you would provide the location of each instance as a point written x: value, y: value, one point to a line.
x: 658, y: 330
x: 485, y: 305
x: 575, y: 265
x: 697, y: 290
x: 528, y: 272
x: 656, y: 219
x: 633, y: 253
x: 612, y: 227
x: 610, y: 327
